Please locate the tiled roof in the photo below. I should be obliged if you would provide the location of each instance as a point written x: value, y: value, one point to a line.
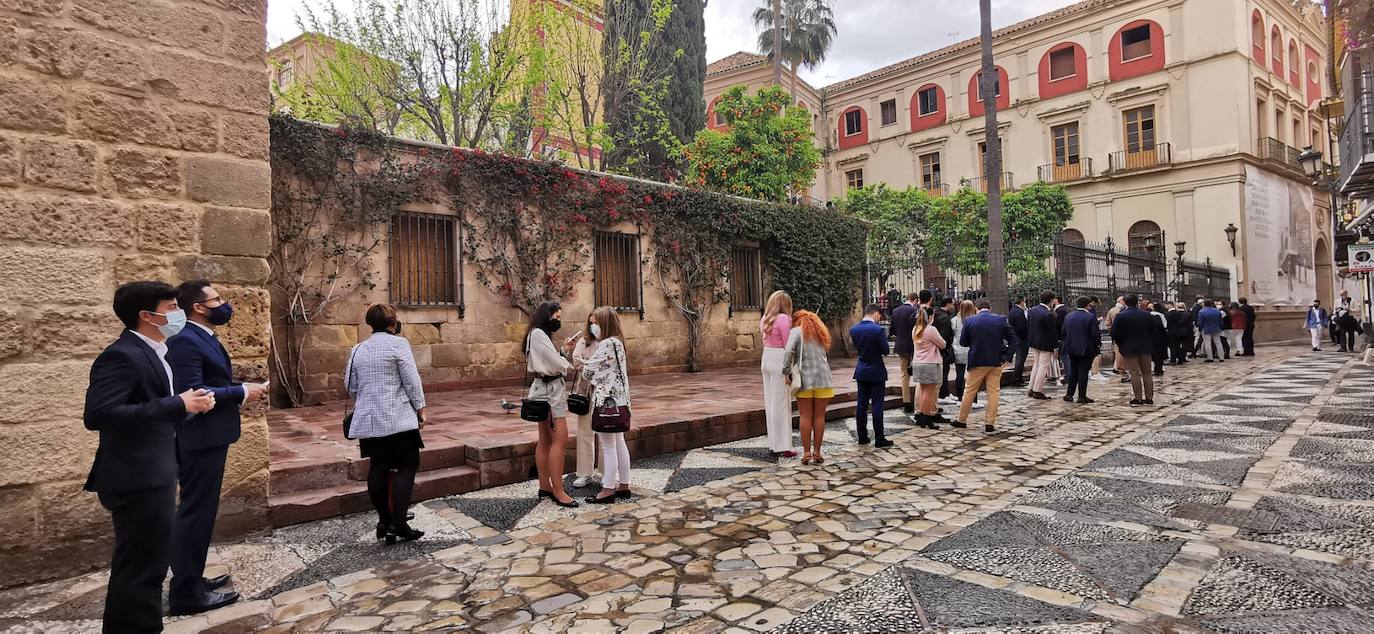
x: 738, y: 60
x: 952, y: 49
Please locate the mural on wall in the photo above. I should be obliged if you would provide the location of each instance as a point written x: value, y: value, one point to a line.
x: 1278, y: 241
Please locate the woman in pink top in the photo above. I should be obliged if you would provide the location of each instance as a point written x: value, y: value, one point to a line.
x: 775, y: 326
x: 926, y: 369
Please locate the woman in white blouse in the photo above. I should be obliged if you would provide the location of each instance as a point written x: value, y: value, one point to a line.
x: 548, y: 365
x: 608, y: 373
x: 586, y: 439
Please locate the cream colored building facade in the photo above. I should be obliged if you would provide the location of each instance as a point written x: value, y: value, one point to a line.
x: 1167, y: 117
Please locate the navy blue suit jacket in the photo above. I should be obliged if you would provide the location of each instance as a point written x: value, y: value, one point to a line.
x: 1082, y: 336
x: 200, y: 361
x: 1041, y: 331
x: 989, y: 339
x: 872, y: 347
x: 136, y: 412
x: 1133, y: 332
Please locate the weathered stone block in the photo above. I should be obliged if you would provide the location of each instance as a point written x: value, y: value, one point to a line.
x: 66, y: 220
x: 19, y: 522
x: 69, y: 513
x: 48, y: 8
x: 12, y: 335
x: 423, y: 356
x: 45, y: 452
x: 217, y: 268
x: 60, y: 163
x: 246, y: 136
x: 28, y: 105
x: 243, y: 507
x: 11, y: 165
x: 325, y: 359
x: 225, y: 182
x: 232, y: 231
x: 420, y: 334
x: 246, y: 335
x: 58, y: 276
x: 9, y: 40
x: 162, y: 22
x: 73, y: 331
x: 168, y: 228
x: 449, y: 355
x: 238, y: 88
x: 105, y: 116
x: 244, y: 39
x: 323, y: 336
x: 71, y: 53
x: 249, y: 455
x: 141, y: 174
x: 143, y: 266
x: 29, y: 395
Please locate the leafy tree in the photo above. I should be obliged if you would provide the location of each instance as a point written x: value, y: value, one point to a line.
x: 896, y: 219
x: 808, y: 29
x: 342, y: 90
x: 452, y: 65
x: 1356, y: 21
x: 766, y: 153
x: 957, y: 228
x: 640, y: 143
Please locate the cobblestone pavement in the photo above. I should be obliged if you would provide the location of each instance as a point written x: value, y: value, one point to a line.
x: 1242, y: 502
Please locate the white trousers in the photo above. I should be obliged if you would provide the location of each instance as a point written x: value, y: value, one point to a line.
x: 1233, y: 336
x: 777, y: 401
x: 615, y: 460
x: 586, y: 447
x: 1041, y: 371
x: 1316, y: 336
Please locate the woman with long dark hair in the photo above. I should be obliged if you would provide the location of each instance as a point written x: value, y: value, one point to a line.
x: 388, y: 412
x: 548, y: 364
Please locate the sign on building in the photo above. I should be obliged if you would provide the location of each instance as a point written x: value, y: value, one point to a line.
x: 1361, y: 258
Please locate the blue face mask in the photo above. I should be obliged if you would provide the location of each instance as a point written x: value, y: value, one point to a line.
x: 176, y: 320
x: 221, y: 314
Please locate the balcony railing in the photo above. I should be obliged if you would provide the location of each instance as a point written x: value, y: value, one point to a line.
x: 936, y: 189
x: 981, y: 183
x: 1357, y: 145
x: 1275, y: 151
x: 1126, y: 160
x: 1067, y: 173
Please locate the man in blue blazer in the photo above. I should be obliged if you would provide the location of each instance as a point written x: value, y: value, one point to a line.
x: 1043, y: 338
x: 871, y: 375
x: 200, y: 361
x: 991, y: 344
x: 1082, y: 342
x: 131, y: 404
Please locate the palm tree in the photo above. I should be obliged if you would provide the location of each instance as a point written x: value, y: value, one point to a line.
x: 808, y: 29
x: 992, y: 167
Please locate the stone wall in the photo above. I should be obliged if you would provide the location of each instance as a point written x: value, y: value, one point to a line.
x: 133, y: 145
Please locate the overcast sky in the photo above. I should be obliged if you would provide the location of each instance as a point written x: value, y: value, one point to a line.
x: 872, y: 33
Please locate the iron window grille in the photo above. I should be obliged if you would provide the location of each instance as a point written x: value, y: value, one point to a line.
x: 746, y: 279
x: 424, y: 261
x: 616, y: 271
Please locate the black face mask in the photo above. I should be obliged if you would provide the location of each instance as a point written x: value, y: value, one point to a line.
x: 397, y: 332
x: 555, y: 325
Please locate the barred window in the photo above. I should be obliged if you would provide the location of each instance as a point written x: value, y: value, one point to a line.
x: 616, y: 269
x: 424, y: 260
x: 746, y: 279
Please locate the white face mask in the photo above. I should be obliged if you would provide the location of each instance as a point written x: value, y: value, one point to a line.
x: 176, y: 320
x: 596, y: 331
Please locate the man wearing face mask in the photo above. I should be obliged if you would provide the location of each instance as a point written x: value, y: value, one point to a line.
x: 200, y: 361
x: 131, y: 404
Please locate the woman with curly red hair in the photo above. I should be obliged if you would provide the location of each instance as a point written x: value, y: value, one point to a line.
x: 808, y: 349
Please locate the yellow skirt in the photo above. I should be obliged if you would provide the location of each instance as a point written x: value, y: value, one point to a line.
x: 820, y: 392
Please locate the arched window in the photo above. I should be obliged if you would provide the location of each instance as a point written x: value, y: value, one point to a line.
x: 1143, y: 237
x: 1144, y: 250
x: 1294, y: 76
x: 1257, y: 36
x: 1276, y: 50
x: 1071, y: 262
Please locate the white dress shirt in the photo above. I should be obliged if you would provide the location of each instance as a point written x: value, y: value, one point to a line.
x: 159, y: 348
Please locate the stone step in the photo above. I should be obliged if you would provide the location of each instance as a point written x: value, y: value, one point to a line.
x: 351, y: 497
x: 339, y: 470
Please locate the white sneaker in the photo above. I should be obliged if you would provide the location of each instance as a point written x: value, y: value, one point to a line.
x: 582, y: 481
x: 1098, y: 377
x: 949, y: 400
x: 978, y: 406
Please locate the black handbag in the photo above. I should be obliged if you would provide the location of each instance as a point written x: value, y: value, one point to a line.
x: 579, y: 402
x: 609, y: 418
x: 534, y: 411
x: 348, y: 411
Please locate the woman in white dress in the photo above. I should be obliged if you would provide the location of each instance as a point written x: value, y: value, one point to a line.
x: 775, y: 327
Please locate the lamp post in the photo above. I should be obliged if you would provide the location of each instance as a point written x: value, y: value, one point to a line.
x: 1231, y: 231
x: 1180, y: 248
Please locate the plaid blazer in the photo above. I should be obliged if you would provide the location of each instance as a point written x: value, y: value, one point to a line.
x: 382, y: 379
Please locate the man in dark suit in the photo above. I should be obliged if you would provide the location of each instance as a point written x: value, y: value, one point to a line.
x: 1061, y: 310
x: 199, y: 360
x: 1159, y: 334
x: 943, y: 320
x: 1197, y: 328
x: 1019, y: 325
x: 1131, y: 331
x: 1082, y: 342
x: 991, y: 343
x: 871, y: 375
x: 1247, y: 338
x: 1180, y: 328
x: 903, y: 322
x: 1043, y: 339
x: 131, y: 404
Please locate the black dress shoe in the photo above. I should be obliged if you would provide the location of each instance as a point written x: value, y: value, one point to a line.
x: 959, y: 424
x: 210, y: 600
x: 1068, y: 398
x: 863, y: 441
x: 1148, y: 401
x: 1039, y: 396
x: 1136, y: 401
x: 215, y: 583
x: 909, y: 408
x: 882, y: 442
x: 989, y: 429
x: 1084, y: 399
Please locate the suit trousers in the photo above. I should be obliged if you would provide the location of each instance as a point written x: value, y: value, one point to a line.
x: 1079, y: 366
x: 142, y: 552
x: 989, y: 376
x: 1043, y: 359
x: 1178, y: 347
x: 1142, y: 381
x: 944, y: 378
x: 1247, y: 339
x: 1022, y: 352
x: 871, y: 396
x: 906, y: 377
x: 200, y: 472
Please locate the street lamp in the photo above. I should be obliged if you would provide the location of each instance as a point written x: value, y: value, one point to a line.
x: 1311, y: 161
x: 1180, y: 248
x: 1231, y: 231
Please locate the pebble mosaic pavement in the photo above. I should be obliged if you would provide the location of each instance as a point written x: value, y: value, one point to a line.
x: 1063, y: 521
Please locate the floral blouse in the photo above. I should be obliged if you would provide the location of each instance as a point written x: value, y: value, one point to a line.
x: 607, y: 373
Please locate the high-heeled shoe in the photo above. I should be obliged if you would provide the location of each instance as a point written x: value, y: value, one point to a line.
x: 570, y: 504
x: 545, y: 493
x: 381, y: 530
x: 403, y: 533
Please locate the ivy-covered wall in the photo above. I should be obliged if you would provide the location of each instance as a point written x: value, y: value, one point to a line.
x: 525, y: 230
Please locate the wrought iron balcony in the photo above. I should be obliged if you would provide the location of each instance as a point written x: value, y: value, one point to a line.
x: 1357, y: 145
x: 935, y: 189
x: 981, y: 183
x: 1067, y: 173
x: 1275, y: 151
x: 1125, y: 160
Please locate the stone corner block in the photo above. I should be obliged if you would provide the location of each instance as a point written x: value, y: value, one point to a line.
x: 229, y: 182
x: 231, y: 231
x: 216, y: 268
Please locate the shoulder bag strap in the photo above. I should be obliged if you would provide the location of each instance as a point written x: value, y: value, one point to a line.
x: 351, y: 371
